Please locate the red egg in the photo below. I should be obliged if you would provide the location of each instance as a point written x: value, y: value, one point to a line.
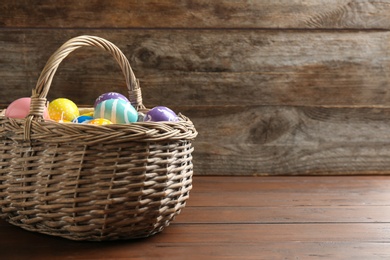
x: 20, y: 109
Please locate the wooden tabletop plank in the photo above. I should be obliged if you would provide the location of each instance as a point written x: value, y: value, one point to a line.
x: 299, y: 184
x: 215, y: 241
x: 314, y: 191
x: 253, y: 233
x: 283, y: 214
x: 254, y: 199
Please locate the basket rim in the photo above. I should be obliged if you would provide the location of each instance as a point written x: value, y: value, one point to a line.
x: 87, y: 134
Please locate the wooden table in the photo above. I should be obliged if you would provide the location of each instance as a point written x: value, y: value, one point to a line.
x: 247, y: 218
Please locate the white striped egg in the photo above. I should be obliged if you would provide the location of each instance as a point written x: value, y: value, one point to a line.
x: 117, y: 111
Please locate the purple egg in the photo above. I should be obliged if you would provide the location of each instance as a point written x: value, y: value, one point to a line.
x: 109, y: 95
x: 160, y: 113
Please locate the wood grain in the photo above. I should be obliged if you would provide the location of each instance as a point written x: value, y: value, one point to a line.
x: 296, y: 214
x: 326, y: 192
x: 213, y: 68
x: 196, y: 14
x: 291, y: 140
x: 277, y: 227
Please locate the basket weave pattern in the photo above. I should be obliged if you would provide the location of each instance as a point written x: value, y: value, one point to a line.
x: 88, y: 182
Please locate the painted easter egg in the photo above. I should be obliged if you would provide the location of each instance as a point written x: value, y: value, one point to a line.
x: 20, y: 108
x: 160, y: 113
x: 88, y: 114
x: 82, y: 119
x: 118, y: 111
x: 63, y: 109
x: 109, y: 95
x: 99, y: 121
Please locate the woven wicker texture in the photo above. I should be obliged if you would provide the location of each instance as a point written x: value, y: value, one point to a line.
x: 88, y: 182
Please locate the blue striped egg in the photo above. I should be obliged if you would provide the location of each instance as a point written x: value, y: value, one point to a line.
x: 118, y: 111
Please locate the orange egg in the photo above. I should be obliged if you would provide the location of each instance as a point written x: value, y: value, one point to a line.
x: 100, y: 121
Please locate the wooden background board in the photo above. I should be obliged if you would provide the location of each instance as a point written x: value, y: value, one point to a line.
x: 273, y: 87
x: 359, y: 14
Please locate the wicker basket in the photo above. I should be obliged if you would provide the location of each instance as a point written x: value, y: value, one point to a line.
x: 88, y: 182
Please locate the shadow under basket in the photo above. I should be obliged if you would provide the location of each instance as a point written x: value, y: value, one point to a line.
x: 89, y: 182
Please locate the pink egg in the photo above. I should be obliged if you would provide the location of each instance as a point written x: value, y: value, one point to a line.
x: 20, y: 108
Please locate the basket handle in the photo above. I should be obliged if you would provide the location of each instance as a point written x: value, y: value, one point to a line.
x: 39, y: 94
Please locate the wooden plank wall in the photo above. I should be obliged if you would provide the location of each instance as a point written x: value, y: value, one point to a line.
x: 274, y: 87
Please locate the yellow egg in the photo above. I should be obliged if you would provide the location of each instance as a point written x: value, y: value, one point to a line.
x: 100, y: 121
x: 87, y: 114
x: 63, y: 109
